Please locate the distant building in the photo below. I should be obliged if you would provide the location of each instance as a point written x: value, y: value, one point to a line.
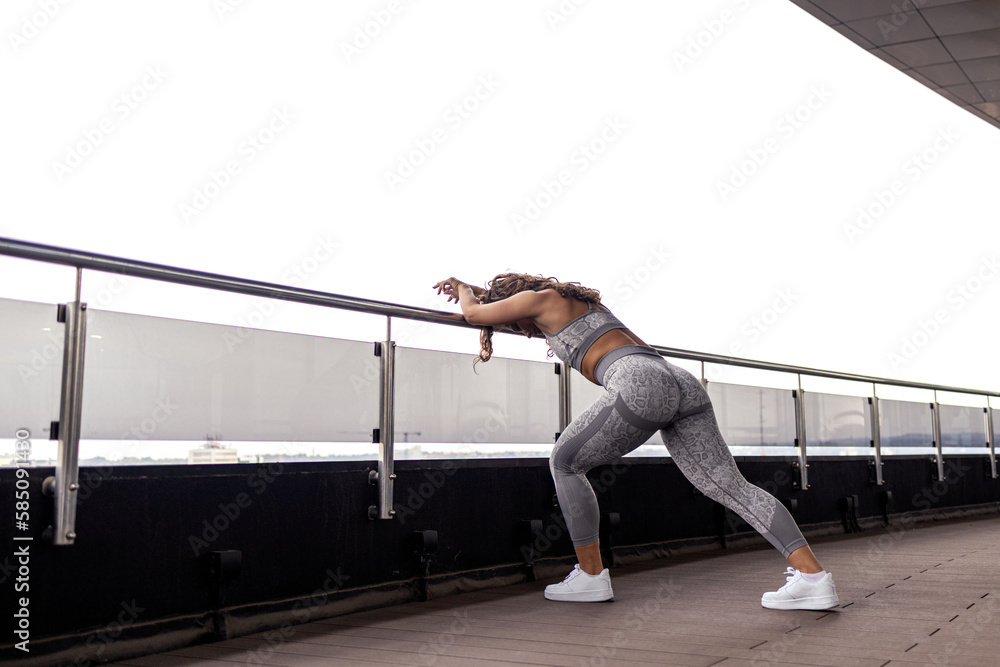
x: 212, y: 452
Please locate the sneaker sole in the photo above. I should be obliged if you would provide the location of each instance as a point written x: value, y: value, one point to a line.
x: 589, y: 596
x: 814, y: 604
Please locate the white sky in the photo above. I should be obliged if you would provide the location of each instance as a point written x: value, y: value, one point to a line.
x: 199, y: 81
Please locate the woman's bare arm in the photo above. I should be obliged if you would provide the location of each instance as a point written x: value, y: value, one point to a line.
x: 517, y: 307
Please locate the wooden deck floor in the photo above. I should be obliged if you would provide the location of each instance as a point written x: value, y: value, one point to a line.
x: 928, y: 595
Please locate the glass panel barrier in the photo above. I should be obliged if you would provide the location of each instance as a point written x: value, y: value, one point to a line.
x: 583, y: 393
x: 842, y: 425
x: 445, y: 409
x: 155, y: 388
x: 905, y: 427
x: 755, y: 421
x: 994, y: 415
x: 963, y: 429
x: 31, y: 358
x: 150, y: 379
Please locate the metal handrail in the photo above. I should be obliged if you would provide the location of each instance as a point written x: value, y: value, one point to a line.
x: 817, y: 372
x: 190, y: 277
x: 64, y: 485
x: 216, y: 281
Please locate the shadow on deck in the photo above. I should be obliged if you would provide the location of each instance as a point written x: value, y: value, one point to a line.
x: 925, y: 595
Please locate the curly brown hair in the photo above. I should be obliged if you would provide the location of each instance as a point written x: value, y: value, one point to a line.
x: 506, y: 285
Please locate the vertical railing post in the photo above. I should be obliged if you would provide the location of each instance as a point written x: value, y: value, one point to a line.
x: 565, y: 404
x: 387, y: 425
x: 876, y: 437
x: 800, y: 433
x: 66, y: 482
x: 988, y: 412
x: 936, y: 424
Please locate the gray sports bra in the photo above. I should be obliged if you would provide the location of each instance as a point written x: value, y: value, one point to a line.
x: 571, y: 342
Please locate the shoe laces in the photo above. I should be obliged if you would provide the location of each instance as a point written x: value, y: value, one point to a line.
x: 576, y: 570
x: 792, y: 573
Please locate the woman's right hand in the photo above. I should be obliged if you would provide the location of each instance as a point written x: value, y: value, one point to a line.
x: 450, y: 287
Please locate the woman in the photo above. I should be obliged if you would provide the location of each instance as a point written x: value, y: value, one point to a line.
x: 644, y: 393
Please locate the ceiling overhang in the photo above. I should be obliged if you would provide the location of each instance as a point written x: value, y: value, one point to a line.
x: 950, y: 46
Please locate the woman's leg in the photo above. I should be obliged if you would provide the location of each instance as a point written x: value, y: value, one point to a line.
x: 589, y: 557
x: 635, y: 404
x: 697, y: 447
x: 804, y: 560
x: 598, y: 436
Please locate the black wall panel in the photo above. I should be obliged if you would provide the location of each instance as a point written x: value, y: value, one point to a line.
x: 145, y: 533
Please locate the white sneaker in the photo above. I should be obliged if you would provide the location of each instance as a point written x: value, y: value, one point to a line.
x: 578, y: 586
x: 800, y: 594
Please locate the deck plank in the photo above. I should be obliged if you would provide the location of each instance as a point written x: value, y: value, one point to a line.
x: 927, y: 595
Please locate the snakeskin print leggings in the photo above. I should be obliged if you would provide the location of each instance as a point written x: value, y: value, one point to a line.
x: 645, y: 394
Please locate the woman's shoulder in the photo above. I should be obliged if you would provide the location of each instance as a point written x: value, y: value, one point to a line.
x: 559, y: 310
